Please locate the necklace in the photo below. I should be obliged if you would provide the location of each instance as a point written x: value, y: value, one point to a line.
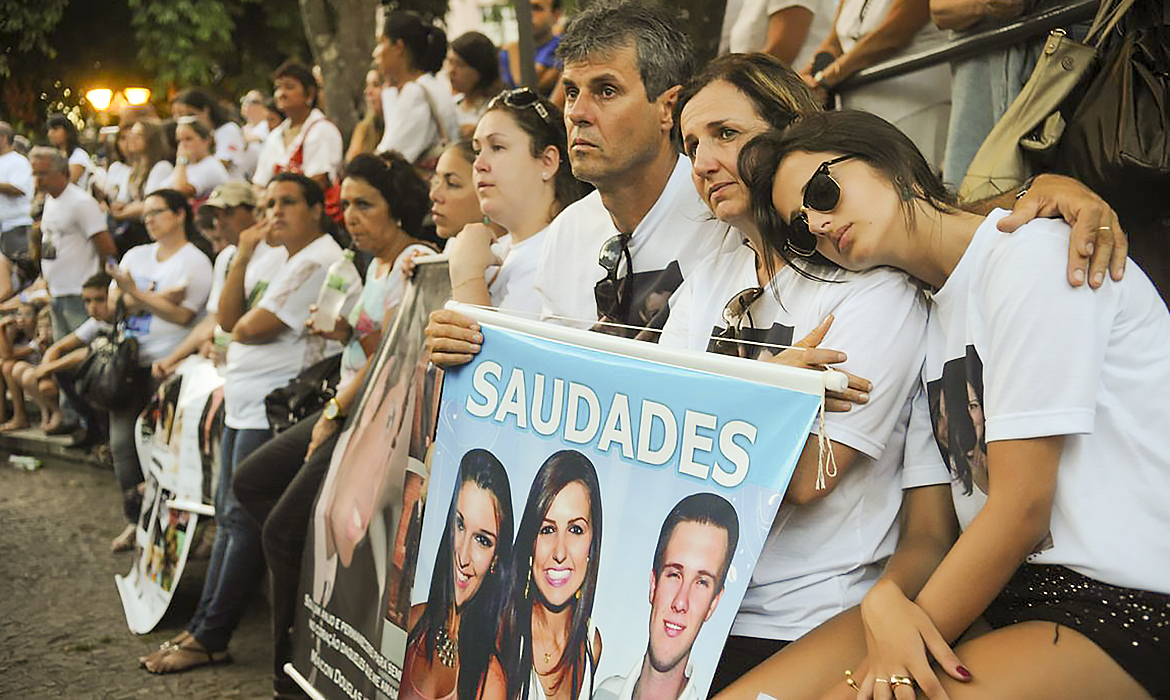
x: 446, y: 649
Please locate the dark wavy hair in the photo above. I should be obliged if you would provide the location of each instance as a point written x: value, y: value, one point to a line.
x: 399, y: 183
x: 863, y: 135
x: 425, y: 43
x: 545, y: 132
x: 58, y: 120
x: 557, y: 472
x: 480, y: 53
x: 479, y: 620
x: 202, y: 100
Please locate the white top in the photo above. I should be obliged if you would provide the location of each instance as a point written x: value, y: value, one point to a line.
x: 68, y: 257
x: 260, y: 131
x: 188, y: 267
x: 230, y: 149
x: 512, y: 284
x: 118, y: 182
x: 89, y: 329
x: 204, y: 175
x: 15, y: 170
x: 159, y: 173
x: 622, y: 687
x: 822, y: 558
x: 410, y: 126
x: 255, y: 370
x: 80, y: 157
x: 675, y: 237
x: 1056, y: 360
x: 750, y: 30
x: 219, y: 273
x: 321, y: 156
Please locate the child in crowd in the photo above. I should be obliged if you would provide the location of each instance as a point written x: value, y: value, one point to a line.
x: 23, y: 339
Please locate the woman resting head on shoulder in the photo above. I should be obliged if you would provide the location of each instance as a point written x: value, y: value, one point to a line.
x: 1058, y: 397
x: 451, y: 649
x: 556, y: 560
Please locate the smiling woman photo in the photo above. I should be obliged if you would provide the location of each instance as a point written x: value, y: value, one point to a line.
x: 451, y: 649
x: 549, y: 643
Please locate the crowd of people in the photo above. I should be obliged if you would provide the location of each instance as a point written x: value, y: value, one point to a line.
x: 967, y: 542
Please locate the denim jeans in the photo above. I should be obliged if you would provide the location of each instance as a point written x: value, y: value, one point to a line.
x: 237, y: 557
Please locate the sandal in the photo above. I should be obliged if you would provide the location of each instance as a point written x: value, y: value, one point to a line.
x: 165, y: 647
x: 125, y: 541
x: 193, y: 658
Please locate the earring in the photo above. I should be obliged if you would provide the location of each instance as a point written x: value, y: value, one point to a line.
x: 907, y: 193
x: 545, y: 176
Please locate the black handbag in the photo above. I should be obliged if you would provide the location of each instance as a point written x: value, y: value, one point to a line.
x: 305, y: 394
x: 110, y: 376
x: 1117, y: 142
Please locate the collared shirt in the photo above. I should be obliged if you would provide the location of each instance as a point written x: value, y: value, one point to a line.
x: 622, y: 687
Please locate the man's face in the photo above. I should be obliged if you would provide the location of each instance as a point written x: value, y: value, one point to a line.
x: 96, y: 305
x: 683, y: 596
x: 230, y: 221
x: 612, y: 129
x: 49, y: 180
x: 544, y: 18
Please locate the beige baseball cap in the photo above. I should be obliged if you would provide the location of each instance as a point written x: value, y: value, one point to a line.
x: 232, y: 194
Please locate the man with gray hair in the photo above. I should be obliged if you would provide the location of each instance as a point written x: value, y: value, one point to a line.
x: 74, y: 239
x: 16, y: 188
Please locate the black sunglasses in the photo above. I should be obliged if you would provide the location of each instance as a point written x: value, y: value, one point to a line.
x: 521, y: 98
x: 728, y: 342
x: 615, y: 291
x: 821, y: 193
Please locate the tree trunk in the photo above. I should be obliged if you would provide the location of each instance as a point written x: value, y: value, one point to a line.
x: 341, y: 36
x: 702, y: 20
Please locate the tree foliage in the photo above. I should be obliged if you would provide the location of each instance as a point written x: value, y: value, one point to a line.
x: 25, y: 28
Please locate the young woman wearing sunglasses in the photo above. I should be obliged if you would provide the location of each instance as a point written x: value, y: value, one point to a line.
x: 523, y: 179
x: 1064, y: 556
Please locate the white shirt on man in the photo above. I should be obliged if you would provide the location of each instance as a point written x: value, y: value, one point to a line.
x: 68, y: 256
x: 675, y: 237
x: 15, y: 170
x: 412, y: 126
x: 321, y: 155
x: 622, y: 687
x: 186, y: 268
x: 255, y: 370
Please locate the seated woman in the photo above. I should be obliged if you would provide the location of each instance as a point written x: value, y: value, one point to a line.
x: 197, y: 171
x: 1048, y: 555
x: 229, y: 137
x: 446, y: 656
x: 22, y: 344
x: 523, y: 179
x: 453, y: 199
x: 368, y: 132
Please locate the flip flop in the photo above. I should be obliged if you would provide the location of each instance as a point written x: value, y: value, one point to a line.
x: 202, y: 658
x: 162, y: 650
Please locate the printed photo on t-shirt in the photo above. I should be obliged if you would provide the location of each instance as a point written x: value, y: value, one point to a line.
x: 649, y: 306
x: 751, y: 343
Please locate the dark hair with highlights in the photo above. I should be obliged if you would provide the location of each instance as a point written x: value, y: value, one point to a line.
x: 479, y: 620
x: 863, y: 135
x: 665, y: 56
x: 557, y: 472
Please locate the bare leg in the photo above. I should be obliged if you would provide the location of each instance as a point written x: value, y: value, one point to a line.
x: 19, y: 419
x: 44, y: 392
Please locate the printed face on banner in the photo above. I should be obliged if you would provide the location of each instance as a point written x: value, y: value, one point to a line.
x: 643, y: 494
x: 477, y: 529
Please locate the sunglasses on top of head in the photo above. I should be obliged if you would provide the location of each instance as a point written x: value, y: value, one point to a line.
x: 821, y: 193
x: 521, y: 98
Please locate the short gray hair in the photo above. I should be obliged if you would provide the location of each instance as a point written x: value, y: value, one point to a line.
x: 665, y: 57
x: 56, y: 158
x: 7, y: 132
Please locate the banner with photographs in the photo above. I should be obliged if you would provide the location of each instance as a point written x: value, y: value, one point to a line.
x: 177, y: 439
x: 363, y: 539
x: 595, y: 509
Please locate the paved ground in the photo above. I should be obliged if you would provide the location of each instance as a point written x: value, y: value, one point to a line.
x: 62, y: 631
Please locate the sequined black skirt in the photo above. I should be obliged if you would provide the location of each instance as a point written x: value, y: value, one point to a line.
x: 1132, y: 626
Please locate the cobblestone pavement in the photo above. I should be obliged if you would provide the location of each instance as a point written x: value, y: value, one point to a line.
x: 62, y: 631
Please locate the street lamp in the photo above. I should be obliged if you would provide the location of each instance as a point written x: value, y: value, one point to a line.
x: 137, y: 96
x: 100, y: 98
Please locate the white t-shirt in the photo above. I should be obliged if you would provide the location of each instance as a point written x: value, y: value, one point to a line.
x: 255, y: 370
x: 321, y: 155
x: 118, y: 182
x: 1050, y: 359
x: 68, y: 257
x: 512, y: 284
x: 675, y: 237
x: 259, y: 131
x: 80, y: 157
x: 230, y: 148
x: 410, y: 124
x: 187, y: 267
x: 159, y: 173
x: 15, y: 170
x: 89, y: 329
x: 219, y: 273
x: 750, y: 30
x: 204, y: 175
x: 821, y: 558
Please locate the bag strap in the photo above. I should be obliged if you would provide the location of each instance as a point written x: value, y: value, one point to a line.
x: 443, y: 140
x: 1108, y: 15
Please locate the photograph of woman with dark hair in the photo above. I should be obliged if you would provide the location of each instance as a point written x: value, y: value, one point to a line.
x: 550, y: 643
x: 451, y: 651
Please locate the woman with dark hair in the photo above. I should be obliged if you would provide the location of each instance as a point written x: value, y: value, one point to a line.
x: 384, y: 201
x: 523, y: 180
x: 451, y: 651
x: 148, y: 154
x: 164, y: 286
x: 418, y: 108
x: 229, y: 137
x: 197, y: 172
x: 453, y: 199
x: 473, y: 67
x: 1056, y: 543
x: 550, y: 645
x: 306, y: 141
x: 64, y: 137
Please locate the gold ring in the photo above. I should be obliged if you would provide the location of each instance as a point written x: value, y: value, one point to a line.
x: 901, y: 680
x: 850, y: 682
x: 1104, y: 228
x: 880, y: 680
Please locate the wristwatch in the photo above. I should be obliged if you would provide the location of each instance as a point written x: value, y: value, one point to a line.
x: 332, y: 410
